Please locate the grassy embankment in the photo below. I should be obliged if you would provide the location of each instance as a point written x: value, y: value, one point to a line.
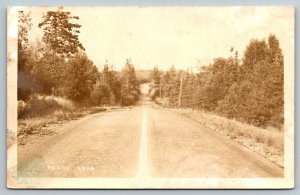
x: 267, y: 142
x: 35, y: 115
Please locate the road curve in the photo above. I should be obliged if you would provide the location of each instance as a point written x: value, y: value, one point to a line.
x: 144, y: 141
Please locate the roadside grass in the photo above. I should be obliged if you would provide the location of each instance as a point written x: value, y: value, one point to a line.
x: 267, y: 142
x: 35, y: 116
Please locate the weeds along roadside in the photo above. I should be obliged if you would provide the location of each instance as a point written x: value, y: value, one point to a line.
x: 267, y: 142
x: 35, y: 115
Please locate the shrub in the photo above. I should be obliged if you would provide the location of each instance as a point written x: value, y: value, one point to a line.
x: 21, y: 109
x: 128, y: 100
x: 38, y: 106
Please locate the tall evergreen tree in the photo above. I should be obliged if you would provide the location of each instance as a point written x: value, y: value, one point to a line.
x: 155, y: 76
x: 24, y: 76
x: 60, y: 33
x: 257, y: 97
x: 24, y: 26
x: 82, y: 76
x: 129, y: 88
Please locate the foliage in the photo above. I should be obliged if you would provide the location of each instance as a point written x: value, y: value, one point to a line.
x: 57, y: 66
x: 258, y: 96
x: 155, y: 76
x: 250, y: 91
x: 80, y: 78
x: 60, y: 33
x: 24, y: 26
x: 129, y: 85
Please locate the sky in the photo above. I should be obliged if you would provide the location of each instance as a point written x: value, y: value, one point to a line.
x: 186, y: 37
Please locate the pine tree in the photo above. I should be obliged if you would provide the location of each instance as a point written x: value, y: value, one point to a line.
x: 24, y: 68
x: 80, y: 78
x: 155, y: 76
x: 257, y: 97
x: 129, y: 88
x: 60, y: 33
x: 24, y: 26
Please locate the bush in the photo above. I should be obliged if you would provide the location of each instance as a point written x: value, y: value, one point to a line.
x: 23, y: 94
x: 38, y: 106
x: 128, y: 100
x: 97, y: 109
x: 21, y: 109
x: 154, y: 92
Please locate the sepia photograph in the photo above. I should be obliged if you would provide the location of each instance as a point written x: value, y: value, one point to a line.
x: 147, y: 97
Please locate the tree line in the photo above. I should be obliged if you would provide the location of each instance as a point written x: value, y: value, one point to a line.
x: 57, y: 65
x: 250, y: 90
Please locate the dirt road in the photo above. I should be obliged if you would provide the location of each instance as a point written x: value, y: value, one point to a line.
x: 144, y: 141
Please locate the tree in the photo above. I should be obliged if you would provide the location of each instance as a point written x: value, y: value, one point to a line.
x: 129, y: 87
x: 61, y: 44
x: 189, y: 86
x: 110, y: 79
x: 24, y: 26
x: 80, y: 78
x: 98, y: 95
x: 250, y: 91
x: 106, y: 84
x: 215, y: 81
x: 257, y: 97
x: 165, y: 82
x: 174, y: 86
x: 49, y: 69
x: 60, y: 33
x: 115, y: 85
x: 270, y: 72
x: 155, y: 76
x: 255, y: 52
x: 156, y: 85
